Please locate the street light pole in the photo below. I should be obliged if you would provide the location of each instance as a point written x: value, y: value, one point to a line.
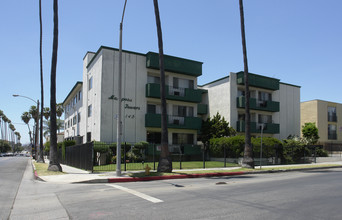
x: 262, y: 128
x: 119, y: 123
x: 37, y: 121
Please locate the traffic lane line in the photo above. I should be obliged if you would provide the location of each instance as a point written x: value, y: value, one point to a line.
x: 136, y: 193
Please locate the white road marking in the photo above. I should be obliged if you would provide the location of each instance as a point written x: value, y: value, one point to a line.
x: 136, y: 193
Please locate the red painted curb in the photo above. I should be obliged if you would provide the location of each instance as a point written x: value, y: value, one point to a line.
x: 181, y: 176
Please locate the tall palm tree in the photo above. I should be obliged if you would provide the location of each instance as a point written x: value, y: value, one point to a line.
x: 165, y: 161
x: 54, y: 160
x: 5, y: 120
x: 248, y: 160
x: 26, y: 117
x: 41, y: 147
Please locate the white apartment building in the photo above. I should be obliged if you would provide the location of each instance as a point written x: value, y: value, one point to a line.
x: 91, y: 106
x: 273, y: 104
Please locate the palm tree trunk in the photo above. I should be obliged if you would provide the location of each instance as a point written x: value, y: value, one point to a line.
x: 248, y: 160
x: 41, y: 148
x: 165, y: 162
x: 54, y: 160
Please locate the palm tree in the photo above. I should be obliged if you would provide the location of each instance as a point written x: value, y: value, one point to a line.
x: 54, y: 161
x: 46, y: 127
x: 165, y: 161
x: 18, y: 136
x: 248, y: 160
x: 5, y: 120
x: 26, y: 117
x: 35, y: 115
x: 41, y: 147
x: 59, y: 112
x: 46, y: 113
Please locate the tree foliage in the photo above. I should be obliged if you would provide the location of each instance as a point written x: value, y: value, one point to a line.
x: 215, y: 127
x: 310, y: 133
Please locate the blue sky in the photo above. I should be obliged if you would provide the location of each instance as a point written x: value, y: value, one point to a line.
x: 298, y: 42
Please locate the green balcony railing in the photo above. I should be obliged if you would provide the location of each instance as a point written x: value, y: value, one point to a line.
x: 175, y: 64
x: 179, y: 94
x: 269, y: 128
x: 191, y: 123
x: 258, y: 81
x: 270, y: 106
x: 202, y: 109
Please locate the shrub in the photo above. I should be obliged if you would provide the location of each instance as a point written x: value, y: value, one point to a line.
x: 100, y: 147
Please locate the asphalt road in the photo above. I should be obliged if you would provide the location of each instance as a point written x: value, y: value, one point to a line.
x: 292, y: 195
x: 11, y: 173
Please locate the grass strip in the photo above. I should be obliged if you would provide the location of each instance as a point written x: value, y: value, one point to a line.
x: 42, y: 169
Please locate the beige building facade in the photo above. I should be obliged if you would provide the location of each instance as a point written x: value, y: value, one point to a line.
x: 328, y: 118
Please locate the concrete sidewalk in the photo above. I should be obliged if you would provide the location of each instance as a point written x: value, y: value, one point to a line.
x: 74, y: 175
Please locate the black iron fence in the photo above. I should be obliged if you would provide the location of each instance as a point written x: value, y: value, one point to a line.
x: 98, y: 156
x: 79, y: 156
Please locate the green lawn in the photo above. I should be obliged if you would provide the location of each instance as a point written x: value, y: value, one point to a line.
x: 175, y: 165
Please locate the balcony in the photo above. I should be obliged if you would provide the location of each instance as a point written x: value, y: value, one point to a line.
x: 202, y: 109
x: 269, y: 128
x: 191, y: 123
x: 258, y: 81
x: 178, y: 94
x: 270, y: 106
x: 175, y: 64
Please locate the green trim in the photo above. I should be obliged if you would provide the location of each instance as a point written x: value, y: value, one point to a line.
x: 270, y: 106
x: 174, y: 64
x: 258, y: 81
x: 73, y: 88
x: 202, y: 109
x: 190, y: 123
x: 190, y: 95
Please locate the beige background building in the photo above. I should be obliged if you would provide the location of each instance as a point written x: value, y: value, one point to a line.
x: 328, y: 119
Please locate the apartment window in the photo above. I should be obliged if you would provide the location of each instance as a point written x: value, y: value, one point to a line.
x: 90, y: 83
x: 332, y: 135
x: 90, y: 110
x: 175, y: 82
x: 151, y: 109
x: 178, y: 138
x: 68, y: 123
x: 153, y: 79
x: 78, y: 117
x: 65, y: 125
x: 74, y: 120
x: 265, y: 118
x: 191, y: 84
x: 265, y: 96
x: 88, y: 136
x: 153, y: 137
x: 79, y: 95
x: 332, y: 117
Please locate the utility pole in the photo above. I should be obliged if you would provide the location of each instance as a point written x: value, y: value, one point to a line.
x: 119, y: 123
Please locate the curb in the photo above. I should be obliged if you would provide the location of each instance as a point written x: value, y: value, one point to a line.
x: 35, y: 174
x: 202, y: 175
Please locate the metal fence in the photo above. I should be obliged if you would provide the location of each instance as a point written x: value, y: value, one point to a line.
x: 99, y: 157
x: 79, y: 156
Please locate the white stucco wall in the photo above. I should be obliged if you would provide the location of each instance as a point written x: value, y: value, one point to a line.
x: 289, y: 114
x: 219, y: 98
